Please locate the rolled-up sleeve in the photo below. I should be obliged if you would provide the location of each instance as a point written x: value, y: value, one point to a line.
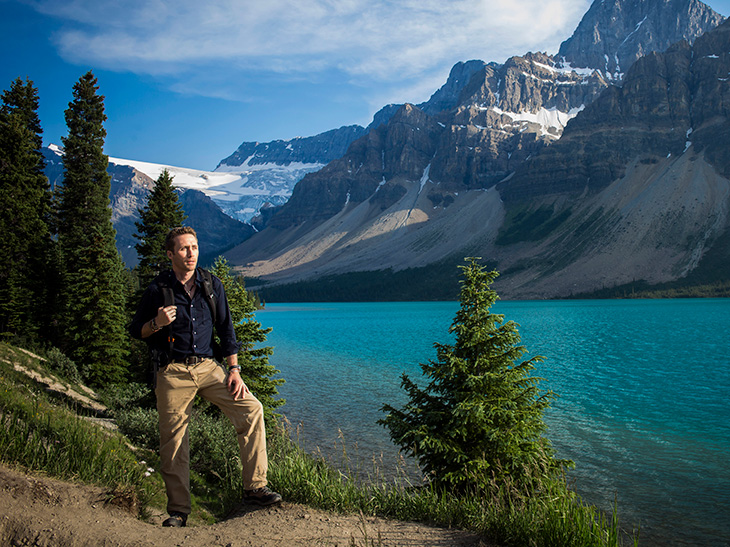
x: 145, y: 311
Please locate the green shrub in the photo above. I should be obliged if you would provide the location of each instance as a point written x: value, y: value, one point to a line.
x: 62, y: 365
x: 140, y: 426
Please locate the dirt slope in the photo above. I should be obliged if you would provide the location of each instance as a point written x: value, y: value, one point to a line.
x: 46, y: 512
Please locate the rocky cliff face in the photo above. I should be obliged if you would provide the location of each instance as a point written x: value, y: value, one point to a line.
x: 615, y: 33
x: 217, y: 232
x: 637, y: 188
x: 668, y: 102
x: 471, y: 146
x: 525, y: 168
x: 271, y: 170
x: 319, y: 149
x: 489, y: 118
x: 447, y: 97
x: 129, y: 192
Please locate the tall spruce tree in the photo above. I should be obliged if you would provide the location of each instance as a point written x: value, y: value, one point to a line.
x: 94, y: 284
x: 256, y: 371
x: 478, y: 422
x: 162, y: 212
x: 25, y: 207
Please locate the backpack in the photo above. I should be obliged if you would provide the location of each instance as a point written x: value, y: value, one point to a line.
x: 168, y: 298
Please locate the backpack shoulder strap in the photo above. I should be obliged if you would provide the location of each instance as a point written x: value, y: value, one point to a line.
x: 163, y: 282
x: 208, y: 292
x: 168, y: 299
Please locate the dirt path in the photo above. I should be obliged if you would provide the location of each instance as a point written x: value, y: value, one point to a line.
x: 46, y: 512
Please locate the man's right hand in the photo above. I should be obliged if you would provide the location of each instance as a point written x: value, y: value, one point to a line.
x: 165, y: 316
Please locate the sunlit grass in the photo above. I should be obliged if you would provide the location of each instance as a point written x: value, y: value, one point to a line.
x: 553, y: 516
x: 42, y: 434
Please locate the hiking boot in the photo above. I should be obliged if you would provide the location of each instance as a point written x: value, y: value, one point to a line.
x: 261, y: 496
x: 176, y: 520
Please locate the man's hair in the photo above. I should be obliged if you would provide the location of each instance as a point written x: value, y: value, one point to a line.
x: 175, y: 232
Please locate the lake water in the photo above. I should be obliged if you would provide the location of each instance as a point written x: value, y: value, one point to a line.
x: 643, y: 391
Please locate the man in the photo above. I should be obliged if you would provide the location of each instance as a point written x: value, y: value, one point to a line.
x: 183, y: 333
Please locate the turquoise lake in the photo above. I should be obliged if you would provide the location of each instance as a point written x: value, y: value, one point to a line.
x: 643, y: 389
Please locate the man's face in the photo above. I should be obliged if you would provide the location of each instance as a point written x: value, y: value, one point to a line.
x: 185, y: 255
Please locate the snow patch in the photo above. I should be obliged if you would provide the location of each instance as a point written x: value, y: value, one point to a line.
x: 424, y: 178
x: 566, y: 68
x: 547, y: 118
x: 56, y: 149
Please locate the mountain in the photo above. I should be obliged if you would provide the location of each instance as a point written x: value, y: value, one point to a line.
x: 613, y: 34
x: 268, y: 172
x: 637, y: 188
x: 217, y: 232
x: 530, y: 165
x: 131, y: 183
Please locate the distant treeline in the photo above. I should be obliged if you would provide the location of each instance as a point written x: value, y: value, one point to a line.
x: 436, y: 282
x: 440, y: 282
x: 642, y: 289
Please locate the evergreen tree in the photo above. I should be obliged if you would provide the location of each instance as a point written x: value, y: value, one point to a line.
x: 162, y: 212
x: 254, y: 360
x: 93, y: 272
x: 25, y: 207
x: 478, y: 422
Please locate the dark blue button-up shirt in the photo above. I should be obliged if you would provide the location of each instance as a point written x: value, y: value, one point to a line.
x: 192, y: 330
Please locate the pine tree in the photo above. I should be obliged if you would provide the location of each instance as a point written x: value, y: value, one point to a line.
x: 254, y: 360
x: 94, y: 279
x: 478, y: 422
x: 25, y: 207
x: 162, y: 212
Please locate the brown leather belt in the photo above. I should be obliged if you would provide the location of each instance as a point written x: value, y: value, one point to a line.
x: 193, y: 360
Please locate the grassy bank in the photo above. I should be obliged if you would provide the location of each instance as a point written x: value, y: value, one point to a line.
x: 46, y: 433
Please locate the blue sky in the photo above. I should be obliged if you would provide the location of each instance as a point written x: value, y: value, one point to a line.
x: 187, y: 81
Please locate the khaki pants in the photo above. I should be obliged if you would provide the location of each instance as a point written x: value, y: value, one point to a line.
x: 177, y: 386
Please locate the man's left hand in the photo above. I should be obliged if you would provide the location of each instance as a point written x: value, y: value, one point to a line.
x: 236, y: 387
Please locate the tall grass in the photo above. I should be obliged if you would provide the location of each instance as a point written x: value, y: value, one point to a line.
x: 39, y: 433
x: 553, y: 516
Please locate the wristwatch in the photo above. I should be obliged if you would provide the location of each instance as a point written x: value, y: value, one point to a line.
x: 234, y: 367
x: 153, y: 324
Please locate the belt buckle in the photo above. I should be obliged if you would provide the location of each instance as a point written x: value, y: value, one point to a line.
x: 192, y: 360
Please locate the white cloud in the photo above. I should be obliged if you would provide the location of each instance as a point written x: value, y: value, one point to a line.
x: 366, y: 40
x: 373, y: 37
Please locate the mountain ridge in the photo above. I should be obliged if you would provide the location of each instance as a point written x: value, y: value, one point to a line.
x: 423, y: 188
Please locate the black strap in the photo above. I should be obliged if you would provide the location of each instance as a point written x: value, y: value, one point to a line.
x: 208, y: 291
x: 168, y: 297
